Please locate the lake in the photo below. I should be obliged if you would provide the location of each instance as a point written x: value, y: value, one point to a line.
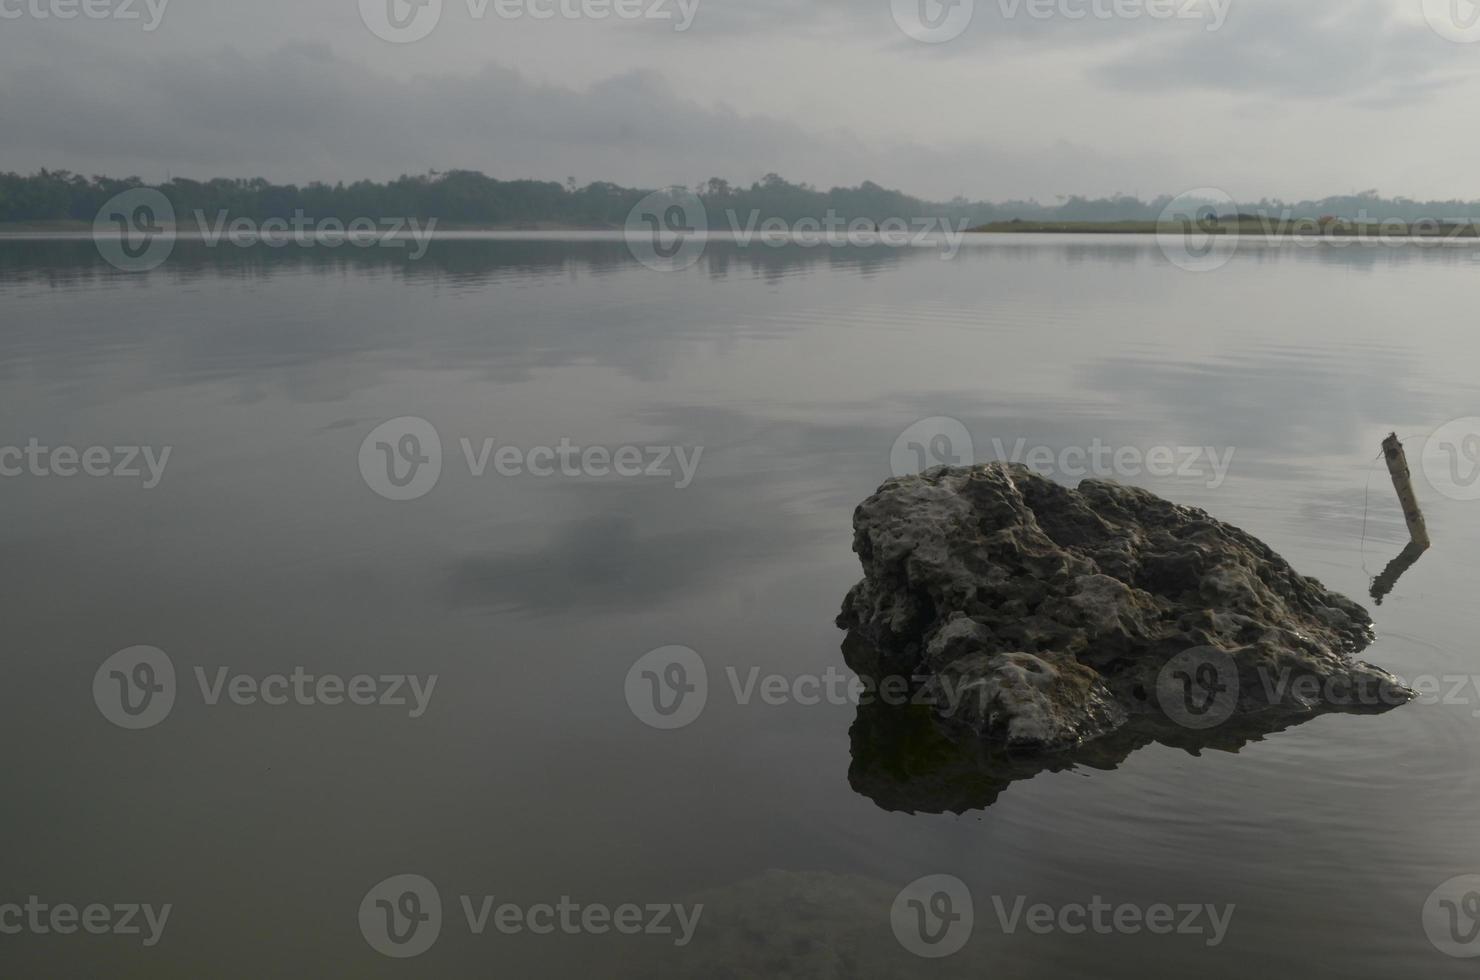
x: 306, y: 564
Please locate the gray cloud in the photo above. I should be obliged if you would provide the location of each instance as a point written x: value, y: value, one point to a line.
x: 829, y: 92
x: 210, y: 114
x: 1316, y: 49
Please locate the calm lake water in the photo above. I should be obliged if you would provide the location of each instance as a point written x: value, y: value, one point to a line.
x: 263, y: 548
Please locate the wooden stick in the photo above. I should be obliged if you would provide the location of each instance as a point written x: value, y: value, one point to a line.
x: 1397, y: 462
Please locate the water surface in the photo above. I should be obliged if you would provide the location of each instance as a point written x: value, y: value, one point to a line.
x: 528, y: 777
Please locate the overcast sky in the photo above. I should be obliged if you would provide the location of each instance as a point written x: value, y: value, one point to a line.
x: 1291, y: 98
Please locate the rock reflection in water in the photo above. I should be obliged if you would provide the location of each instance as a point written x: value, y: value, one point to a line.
x: 908, y: 760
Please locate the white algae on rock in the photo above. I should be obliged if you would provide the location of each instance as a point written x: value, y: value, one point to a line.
x: 1032, y: 615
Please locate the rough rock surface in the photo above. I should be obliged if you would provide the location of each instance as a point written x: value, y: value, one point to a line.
x: 1040, y: 616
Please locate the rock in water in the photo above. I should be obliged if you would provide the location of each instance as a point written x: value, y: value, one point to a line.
x: 1039, y: 616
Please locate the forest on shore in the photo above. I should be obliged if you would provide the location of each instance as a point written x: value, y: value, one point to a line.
x: 466, y: 198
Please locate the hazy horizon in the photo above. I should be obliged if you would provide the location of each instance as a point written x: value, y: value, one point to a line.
x: 1148, y: 199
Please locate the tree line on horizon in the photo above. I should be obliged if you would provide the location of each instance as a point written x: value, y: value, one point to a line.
x: 470, y: 198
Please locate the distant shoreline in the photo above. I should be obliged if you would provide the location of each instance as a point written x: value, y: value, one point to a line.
x: 1266, y: 227
x: 42, y: 227
x: 85, y: 227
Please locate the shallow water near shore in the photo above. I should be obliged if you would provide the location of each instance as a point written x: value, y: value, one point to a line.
x: 528, y: 777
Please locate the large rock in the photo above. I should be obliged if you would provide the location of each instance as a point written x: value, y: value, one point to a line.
x: 1033, y: 615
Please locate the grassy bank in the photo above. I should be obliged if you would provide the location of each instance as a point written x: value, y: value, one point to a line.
x: 1273, y: 227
